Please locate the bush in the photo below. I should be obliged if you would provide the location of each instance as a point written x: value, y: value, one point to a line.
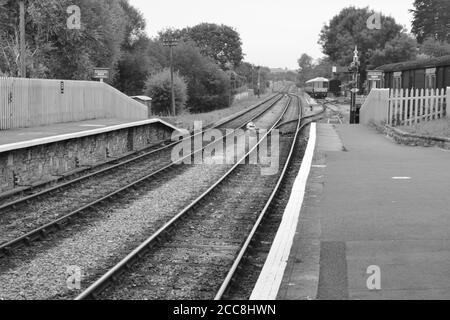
x: 158, y: 87
x: 208, y: 85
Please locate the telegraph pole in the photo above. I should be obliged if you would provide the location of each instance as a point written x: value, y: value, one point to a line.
x: 171, y: 42
x: 22, y: 49
x: 259, y: 81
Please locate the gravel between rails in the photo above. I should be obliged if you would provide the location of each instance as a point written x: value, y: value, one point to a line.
x: 194, y: 261
x: 253, y: 261
x: 39, y: 272
x: 15, y: 222
x: 96, y: 244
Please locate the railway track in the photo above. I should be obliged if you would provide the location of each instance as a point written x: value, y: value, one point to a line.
x: 245, y: 270
x: 162, y: 245
x: 38, y: 191
x: 65, y: 216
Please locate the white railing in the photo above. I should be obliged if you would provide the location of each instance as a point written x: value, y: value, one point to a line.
x: 242, y: 95
x: 36, y: 102
x: 408, y: 107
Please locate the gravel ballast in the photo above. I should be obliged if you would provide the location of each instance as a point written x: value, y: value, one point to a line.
x: 96, y: 244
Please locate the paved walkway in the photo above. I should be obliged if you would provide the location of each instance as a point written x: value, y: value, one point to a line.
x: 372, y: 204
x: 25, y: 134
x: 28, y: 137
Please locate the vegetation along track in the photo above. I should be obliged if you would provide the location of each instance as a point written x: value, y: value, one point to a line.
x: 26, y: 220
x: 191, y: 262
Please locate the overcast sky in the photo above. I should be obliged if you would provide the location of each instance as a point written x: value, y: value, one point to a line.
x: 274, y: 32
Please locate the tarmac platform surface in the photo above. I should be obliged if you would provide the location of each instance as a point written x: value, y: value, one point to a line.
x: 371, y: 205
x: 27, y: 137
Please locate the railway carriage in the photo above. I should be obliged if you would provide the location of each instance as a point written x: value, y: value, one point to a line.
x: 420, y: 74
x: 317, y: 88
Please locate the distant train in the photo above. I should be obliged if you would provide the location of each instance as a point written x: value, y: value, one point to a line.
x: 419, y: 74
x: 317, y: 88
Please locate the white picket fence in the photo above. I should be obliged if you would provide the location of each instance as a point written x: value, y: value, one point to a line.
x: 37, y: 102
x: 242, y: 95
x: 408, y: 107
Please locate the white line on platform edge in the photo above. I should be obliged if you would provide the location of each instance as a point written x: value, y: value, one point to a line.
x: 79, y: 134
x: 271, y: 276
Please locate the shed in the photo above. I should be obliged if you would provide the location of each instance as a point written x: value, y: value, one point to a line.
x: 145, y: 101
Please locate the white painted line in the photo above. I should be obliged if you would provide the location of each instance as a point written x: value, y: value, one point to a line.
x: 271, y: 276
x: 319, y: 166
x: 74, y: 135
x: 401, y: 178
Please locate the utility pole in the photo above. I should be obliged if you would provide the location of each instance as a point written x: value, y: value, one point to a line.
x: 259, y: 81
x: 22, y: 66
x: 253, y: 80
x: 171, y: 42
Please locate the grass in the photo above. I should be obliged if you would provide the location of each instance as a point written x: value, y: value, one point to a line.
x: 186, y: 121
x: 434, y: 128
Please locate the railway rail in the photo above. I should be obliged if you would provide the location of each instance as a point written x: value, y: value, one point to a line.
x: 249, y: 243
x: 57, y: 224
x: 31, y: 193
x: 108, y: 279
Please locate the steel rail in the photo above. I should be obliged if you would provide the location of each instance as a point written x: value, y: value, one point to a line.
x: 112, y: 275
x: 72, y: 182
x: 56, y: 225
x: 301, y: 123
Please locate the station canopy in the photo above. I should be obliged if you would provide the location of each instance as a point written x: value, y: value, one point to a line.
x: 318, y: 80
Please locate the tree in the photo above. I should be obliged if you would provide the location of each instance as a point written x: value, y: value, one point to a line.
x: 433, y: 48
x: 54, y: 51
x: 134, y: 68
x: 306, y: 66
x: 135, y: 64
x: 220, y: 42
x: 401, y: 48
x: 431, y: 19
x: 349, y: 29
x: 158, y: 87
x: 208, y: 85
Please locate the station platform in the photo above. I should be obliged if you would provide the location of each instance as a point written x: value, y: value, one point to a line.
x: 39, y: 155
x: 374, y: 221
x: 28, y: 137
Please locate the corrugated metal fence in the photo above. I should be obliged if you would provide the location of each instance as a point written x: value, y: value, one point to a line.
x: 36, y: 102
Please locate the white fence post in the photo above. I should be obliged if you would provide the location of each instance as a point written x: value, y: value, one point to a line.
x: 408, y: 107
x: 447, y: 103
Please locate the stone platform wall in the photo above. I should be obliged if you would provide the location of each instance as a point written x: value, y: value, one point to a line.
x: 44, y: 163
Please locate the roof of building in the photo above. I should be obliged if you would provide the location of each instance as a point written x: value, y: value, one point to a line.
x: 143, y: 98
x: 319, y: 79
x: 416, y: 64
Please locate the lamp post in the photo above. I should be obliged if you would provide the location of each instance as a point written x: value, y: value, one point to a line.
x: 171, y: 42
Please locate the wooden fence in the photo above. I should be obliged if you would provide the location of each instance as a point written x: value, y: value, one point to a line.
x: 36, y: 102
x: 407, y: 107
